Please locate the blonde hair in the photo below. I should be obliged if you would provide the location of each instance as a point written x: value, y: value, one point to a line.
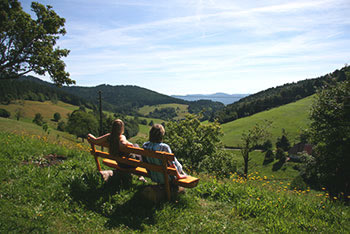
x: 156, y: 133
x: 114, y: 138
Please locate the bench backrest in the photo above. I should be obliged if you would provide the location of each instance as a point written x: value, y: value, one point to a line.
x: 163, y: 156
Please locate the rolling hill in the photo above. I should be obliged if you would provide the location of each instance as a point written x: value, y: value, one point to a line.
x: 292, y: 117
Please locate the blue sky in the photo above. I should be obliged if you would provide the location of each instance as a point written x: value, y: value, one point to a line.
x: 202, y: 46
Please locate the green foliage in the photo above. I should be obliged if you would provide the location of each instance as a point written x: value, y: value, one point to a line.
x: 56, y: 117
x: 192, y: 141
x: 206, y: 108
x: 298, y: 183
x: 27, y: 45
x: 283, y: 142
x: 81, y: 124
x: 34, y: 89
x: 4, y: 113
x: 221, y: 164
x: 61, y: 126
x: 19, y: 113
x: 131, y: 128
x: 166, y: 113
x: 269, y: 157
x: 38, y: 119
x: 267, y: 145
x: 251, y: 139
x: 280, y: 154
x: 330, y: 134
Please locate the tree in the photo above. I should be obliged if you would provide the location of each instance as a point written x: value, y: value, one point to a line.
x: 330, y: 135
x: 283, y: 142
x: 19, y: 113
x: 56, y: 117
x: 38, y: 119
x: 192, y: 141
x: 81, y: 123
x: 27, y: 45
x: 251, y: 139
x: 4, y: 113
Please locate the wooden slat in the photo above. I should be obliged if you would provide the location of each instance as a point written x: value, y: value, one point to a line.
x: 136, y: 163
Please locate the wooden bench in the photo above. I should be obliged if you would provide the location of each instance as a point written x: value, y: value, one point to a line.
x: 140, y: 168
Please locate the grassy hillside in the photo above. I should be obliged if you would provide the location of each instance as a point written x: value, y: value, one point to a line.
x: 292, y: 117
x: 46, y: 109
x: 40, y: 194
x: 181, y: 109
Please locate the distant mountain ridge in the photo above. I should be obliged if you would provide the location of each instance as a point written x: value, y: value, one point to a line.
x: 216, y: 97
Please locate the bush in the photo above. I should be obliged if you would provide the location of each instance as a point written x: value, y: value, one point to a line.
x: 4, y: 113
x: 193, y: 141
x: 280, y: 155
x: 56, y: 117
x: 269, y: 157
x: 220, y: 164
x: 38, y: 119
x: 298, y: 183
x: 61, y: 126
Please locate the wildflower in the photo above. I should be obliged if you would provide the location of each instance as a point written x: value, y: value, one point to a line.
x: 323, y: 188
x: 265, y: 177
x: 258, y: 198
x: 335, y: 198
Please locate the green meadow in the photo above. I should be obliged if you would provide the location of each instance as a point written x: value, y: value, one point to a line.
x: 39, y: 194
x: 181, y: 109
x: 292, y: 117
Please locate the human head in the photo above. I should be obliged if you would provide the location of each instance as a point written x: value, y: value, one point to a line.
x: 117, y: 127
x: 156, y: 133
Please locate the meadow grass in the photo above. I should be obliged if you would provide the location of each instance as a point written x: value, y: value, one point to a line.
x: 292, y: 117
x: 71, y: 197
x: 181, y: 109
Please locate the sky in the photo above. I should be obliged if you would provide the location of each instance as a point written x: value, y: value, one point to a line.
x: 179, y: 47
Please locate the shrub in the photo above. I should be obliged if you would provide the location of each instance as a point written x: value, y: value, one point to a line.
x: 220, y: 164
x: 298, y: 183
x: 61, y: 126
x: 56, y: 117
x: 269, y: 157
x: 193, y: 141
x: 38, y: 119
x: 4, y: 113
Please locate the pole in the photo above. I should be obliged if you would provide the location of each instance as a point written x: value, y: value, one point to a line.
x: 100, y: 107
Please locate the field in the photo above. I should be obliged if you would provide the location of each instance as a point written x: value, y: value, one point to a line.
x: 39, y: 194
x: 181, y: 109
x: 292, y: 117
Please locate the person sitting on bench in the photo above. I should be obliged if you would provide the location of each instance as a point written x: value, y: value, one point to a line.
x: 115, y: 139
x: 155, y: 143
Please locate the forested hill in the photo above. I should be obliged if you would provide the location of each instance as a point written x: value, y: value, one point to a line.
x: 122, y: 98
x: 125, y: 99
x: 280, y: 95
x: 34, y: 89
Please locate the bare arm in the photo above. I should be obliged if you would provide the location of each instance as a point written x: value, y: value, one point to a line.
x: 99, y: 140
x: 124, y: 141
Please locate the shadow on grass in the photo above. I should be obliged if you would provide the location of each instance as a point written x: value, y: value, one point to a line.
x: 118, y: 199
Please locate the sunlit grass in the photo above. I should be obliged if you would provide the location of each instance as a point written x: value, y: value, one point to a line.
x: 292, y: 117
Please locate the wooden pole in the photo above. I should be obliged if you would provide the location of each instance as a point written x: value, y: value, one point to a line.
x: 100, y: 110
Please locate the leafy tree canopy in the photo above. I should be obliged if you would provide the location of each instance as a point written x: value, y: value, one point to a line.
x: 330, y: 133
x: 27, y: 45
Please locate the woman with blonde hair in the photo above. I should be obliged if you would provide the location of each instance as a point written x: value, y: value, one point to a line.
x: 115, y: 140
